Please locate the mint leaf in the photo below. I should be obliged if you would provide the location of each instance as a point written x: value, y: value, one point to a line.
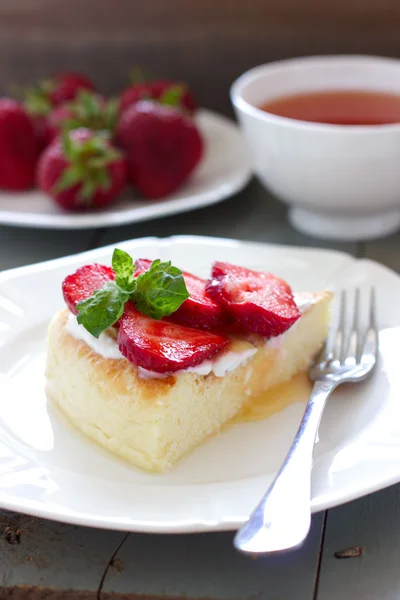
x: 160, y: 291
x: 123, y: 266
x: 102, y: 309
x: 156, y: 293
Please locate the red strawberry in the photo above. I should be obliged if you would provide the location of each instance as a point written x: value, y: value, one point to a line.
x: 199, y: 310
x: 163, y: 147
x: 19, y: 150
x: 81, y: 284
x: 87, y: 110
x: 164, y: 347
x: 54, y: 121
x: 43, y: 130
x: 155, y: 90
x: 65, y: 86
x: 82, y: 170
x: 260, y: 302
x: 40, y: 98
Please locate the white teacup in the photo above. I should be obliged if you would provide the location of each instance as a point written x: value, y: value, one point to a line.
x: 340, y: 181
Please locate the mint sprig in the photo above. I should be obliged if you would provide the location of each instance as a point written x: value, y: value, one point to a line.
x: 157, y: 293
x: 123, y: 266
x: 160, y: 291
x: 102, y: 309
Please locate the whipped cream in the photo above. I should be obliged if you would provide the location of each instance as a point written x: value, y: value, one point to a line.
x: 107, y: 347
x: 304, y: 301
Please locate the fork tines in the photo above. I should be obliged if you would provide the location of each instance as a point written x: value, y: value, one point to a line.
x: 354, y: 334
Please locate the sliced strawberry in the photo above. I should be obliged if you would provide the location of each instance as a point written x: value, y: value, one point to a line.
x: 260, y: 302
x: 164, y: 347
x: 199, y: 310
x: 81, y: 284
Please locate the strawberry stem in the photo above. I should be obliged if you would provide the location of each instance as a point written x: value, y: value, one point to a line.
x: 136, y: 75
x: 173, y: 95
x: 91, y: 111
x: 36, y: 98
x: 87, y: 160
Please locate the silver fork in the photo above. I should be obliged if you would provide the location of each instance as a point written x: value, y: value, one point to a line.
x: 282, y: 519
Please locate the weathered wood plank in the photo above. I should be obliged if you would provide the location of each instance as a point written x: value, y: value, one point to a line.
x: 207, y: 566
x: 179, y: 38
x: 20, y: 246
x: 180, y: 17
x: 45, y: 559
x: 250, y: 215
x: 367, y: 531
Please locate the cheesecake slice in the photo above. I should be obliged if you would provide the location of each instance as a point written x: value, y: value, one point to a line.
x: 152, y: 419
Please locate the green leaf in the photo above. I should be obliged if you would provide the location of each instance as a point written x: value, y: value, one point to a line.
x: 111, y: 111
x: 173, y: 95
x: 36, y: 99
x: 103, y: 180
x: 88, y: 190
x: 37, y: 105
x: 71, y: 176
x: 89, y: 102
x: 68, y: 146
x: 70, y: 124
x: 89, y: 110
x: 136, y: 75
x: 160, y: 291
x: 107, y: 157
x: 157, y: 293
x: 102, y: 309
x: 123, y: 266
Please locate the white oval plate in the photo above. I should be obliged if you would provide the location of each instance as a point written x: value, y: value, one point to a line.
x: 47, y: 468
x: 224, y: 170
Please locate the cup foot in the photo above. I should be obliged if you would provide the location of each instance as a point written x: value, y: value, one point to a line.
x: 333, y: 227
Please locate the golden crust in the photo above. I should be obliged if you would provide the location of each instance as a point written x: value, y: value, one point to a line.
x: 120, y: 373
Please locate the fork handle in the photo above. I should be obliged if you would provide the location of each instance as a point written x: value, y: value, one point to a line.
x: 283, y: 517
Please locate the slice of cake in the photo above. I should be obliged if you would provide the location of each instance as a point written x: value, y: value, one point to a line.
x: 151, y: 389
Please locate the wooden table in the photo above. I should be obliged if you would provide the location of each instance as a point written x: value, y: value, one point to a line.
x: 351, y: 551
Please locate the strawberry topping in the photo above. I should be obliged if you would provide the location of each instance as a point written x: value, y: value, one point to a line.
x: 259, y: 302
x: 199, y: 310
x: 164, y: 347
x: 81, y: 284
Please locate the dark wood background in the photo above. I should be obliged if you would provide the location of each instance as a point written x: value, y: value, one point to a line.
x: 207, y: 43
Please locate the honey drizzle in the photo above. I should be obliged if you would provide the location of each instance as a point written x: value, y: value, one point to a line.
x: 276, y: 399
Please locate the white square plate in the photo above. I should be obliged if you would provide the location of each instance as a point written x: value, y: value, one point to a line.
x: 47, y: 468
x: 223, y: 171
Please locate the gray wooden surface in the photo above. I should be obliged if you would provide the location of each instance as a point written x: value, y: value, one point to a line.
x: 207, y: 43
x: 351, y: 552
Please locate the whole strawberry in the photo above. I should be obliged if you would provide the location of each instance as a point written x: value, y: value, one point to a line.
x: 89, y: 110
x: 66, y: 86
x: 154, y: 90
x: 162, y: 146
x: 18, y: 146
x: 44, y: 132
x: 53, y: 123
x: 82, y: 170
x: 40, y: 100
x: 43, y: 96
